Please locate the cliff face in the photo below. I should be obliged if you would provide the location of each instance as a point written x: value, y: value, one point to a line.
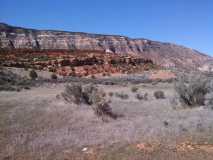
x: 15, y: 37
x: 165, y: 54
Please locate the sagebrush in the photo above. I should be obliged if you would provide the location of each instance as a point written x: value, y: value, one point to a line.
x: 33, y: 74
x: 159, y: 95
x: 134, y: 89
x: 192, y: 89
x: 142, y: 96
x: 89, y: 95
x: 122, y: 95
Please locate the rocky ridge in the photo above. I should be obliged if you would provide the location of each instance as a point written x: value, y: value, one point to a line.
x: 164, y: 54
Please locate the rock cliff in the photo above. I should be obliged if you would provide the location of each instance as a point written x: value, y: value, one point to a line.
x: 165, y: 54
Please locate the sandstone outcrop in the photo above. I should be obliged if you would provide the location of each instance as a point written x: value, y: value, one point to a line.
x: 78, y: 63
x: 164, y: 54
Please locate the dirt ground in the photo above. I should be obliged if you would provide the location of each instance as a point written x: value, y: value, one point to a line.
x: 39, y: 124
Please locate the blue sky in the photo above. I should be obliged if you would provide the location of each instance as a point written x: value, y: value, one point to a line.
x: 185, y: 22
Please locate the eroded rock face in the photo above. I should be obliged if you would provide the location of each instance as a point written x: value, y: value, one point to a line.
x: 78, y: 64
x: 27, y: 38
x: 164, y: 54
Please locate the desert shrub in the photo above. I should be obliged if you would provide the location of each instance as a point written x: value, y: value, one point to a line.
x: 104, y: 94
x: 54, y: 76
x: 108, y: 83
x: 192, y: 89
x: 52, y: 69
x: 111, y: 94
x: 72, y: 74
x: 171, y: 80
x: 166, y: 123
x: 108, y: 74
x: 134, y: 89
x: 209, y: 101
x: 10, y: 81
x: 7, y: 88
x: 154, y: 83
x: 103, y: 109
x: 92, y: 95
x: 77, y: 94
x: 142, y: 97
x: 73, y: 93
x: 40, y: 68
x: 145, y: 96
x: 89, y: 95
x: 122, y: 95
x: 95, y: 97
x: 33, y: 74
x: 93, y: 76
x: 159, y: 95
x: 139, y: 96
x: 27, y: 87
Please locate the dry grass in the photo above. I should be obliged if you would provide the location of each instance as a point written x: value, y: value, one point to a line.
x: 41, y: 125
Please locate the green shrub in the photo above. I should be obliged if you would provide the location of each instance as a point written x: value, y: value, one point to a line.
x: 139, y: 96
x: 54, y: 76
x: 134, y: 89
x: 145, y: 96
x: 142, y: 97
x: 89, y: 95
x: 111, y: 94
x: 192, y: 89
x: 103, y: 109
x: 159, y: 95
x: 73, y: 93
x: 122, y: 95
x: 33, y: 74
x: 93, y: 76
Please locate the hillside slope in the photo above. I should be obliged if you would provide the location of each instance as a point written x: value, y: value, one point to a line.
x: 165, y: 54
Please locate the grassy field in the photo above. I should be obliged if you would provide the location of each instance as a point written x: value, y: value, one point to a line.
x: 39, y: 124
